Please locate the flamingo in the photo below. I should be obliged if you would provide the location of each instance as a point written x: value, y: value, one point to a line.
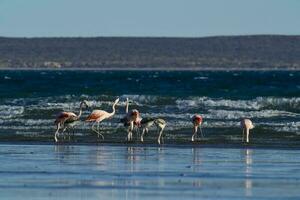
x: 146, y: 123
x: 197, y: 122
x: 133, y: 119
x: 246, y: 125
x: 67, y: 120
x: 98, y: 116
x: 130, y: 120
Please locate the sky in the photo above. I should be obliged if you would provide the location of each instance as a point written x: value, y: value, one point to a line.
x: 149, y: 18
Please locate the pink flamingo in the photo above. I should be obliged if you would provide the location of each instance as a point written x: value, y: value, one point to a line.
x: 133, y: 119
x: 98, y: 116
x: 246, y: 125
x: 197, y: 122
x: 130, y: 120
x: 67, y: 120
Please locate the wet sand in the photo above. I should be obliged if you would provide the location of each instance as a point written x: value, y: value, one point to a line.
x: 147, y: 172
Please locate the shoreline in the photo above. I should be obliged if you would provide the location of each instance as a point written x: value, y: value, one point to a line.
x: 149, y: 69
x: 168, y: 145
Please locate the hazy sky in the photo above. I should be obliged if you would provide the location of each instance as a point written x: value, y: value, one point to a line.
x: 179, y: 18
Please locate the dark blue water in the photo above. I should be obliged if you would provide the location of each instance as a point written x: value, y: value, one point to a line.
x: 30, y: 100
x: 232, y: 85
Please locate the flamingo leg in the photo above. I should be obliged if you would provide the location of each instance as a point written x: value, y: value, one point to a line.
x: 247, y: 135
x: 129, y: 135
x: 137, y: 132
x: 73, y: 134
x: 98, y: 131
x: 130, y: 129
x: 69, y: 134
x: 195, y: 133
x: 160, y: 131
x: 201, y: 132
x: 57, y: 132
x: 93, y: 128
x: 70, y: 129
x: 142, y: 135
x: 64, y: 129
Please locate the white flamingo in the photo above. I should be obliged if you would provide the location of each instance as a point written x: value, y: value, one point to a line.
x: 146, y: 123
x: 67, y: 120
x: 98, y: 116
x: 197, y: 122
x: 246, y: 125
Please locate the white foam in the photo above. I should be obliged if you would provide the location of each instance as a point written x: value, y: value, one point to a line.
x: 293, y: 127
x: 200, y: 78
x: 253, y: 104
x: 7, y: 112
x: 234, y: 114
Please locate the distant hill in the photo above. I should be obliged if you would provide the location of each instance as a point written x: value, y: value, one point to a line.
x: 236, y: 52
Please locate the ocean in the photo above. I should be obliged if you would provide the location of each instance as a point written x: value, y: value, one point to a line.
x: 218, y: 166
x: 31, y: 100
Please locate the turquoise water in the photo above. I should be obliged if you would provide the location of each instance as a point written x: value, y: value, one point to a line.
x: 30, y: 101
x: 147, y: 172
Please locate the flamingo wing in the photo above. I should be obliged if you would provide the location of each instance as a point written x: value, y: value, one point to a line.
x: 247, y: 123
x: 64, y: 116
x: 97, y: 115
x: 146, y: 120
x: 197, y: 119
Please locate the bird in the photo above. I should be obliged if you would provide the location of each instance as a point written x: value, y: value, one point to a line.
x: 67, y: 120
x: 197, y: 122
x: 98, y: 116
x: 246, y: 125
x: 146, y: 123
x: 131, y: 120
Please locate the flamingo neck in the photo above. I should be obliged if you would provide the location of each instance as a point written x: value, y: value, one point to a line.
x: 114, y: 110
x: 80, y: 111
x: 127, y: 105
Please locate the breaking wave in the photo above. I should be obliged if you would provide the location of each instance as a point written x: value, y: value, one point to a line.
x: 39, y: 113
x: 222, y: 98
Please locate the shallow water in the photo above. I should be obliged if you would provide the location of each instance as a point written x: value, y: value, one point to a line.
x: 147, y: 172
x: 30, y: 101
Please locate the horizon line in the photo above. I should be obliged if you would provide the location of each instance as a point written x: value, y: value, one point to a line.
x: 179, y: 37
